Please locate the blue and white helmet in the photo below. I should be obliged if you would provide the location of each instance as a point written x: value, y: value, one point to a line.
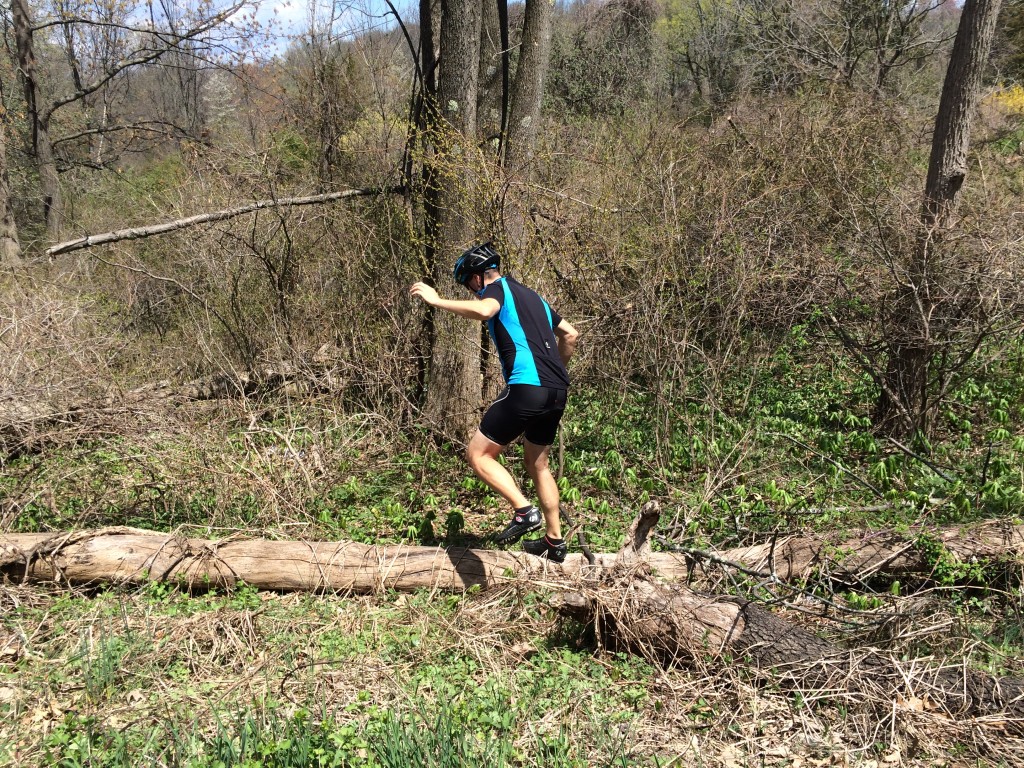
x: 476, y: 261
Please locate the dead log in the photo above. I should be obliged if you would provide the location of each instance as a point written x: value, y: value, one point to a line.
x: 29, y: 427
x: 96, y: 556
x: 672, y: 623
x: 872, y: 554
x: 135, y: 557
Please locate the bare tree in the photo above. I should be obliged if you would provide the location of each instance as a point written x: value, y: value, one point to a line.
x: 10, y: 248
x: 454, y: 386
x: 706, y: 40
x: 528, y: 91
x: 923, y: 320
x: 493, y: 76
x: 102, y: 45
x: 849, y: 41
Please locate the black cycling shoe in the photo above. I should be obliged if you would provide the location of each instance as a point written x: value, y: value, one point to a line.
x: 543, y: 548
x: 522, y: 524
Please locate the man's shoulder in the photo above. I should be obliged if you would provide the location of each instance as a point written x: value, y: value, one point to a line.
x: 517, y: 287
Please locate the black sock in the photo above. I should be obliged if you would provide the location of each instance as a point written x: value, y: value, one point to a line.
x: 525, y: 510
x: 554, y: 542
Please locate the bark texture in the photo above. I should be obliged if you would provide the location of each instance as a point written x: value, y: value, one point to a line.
x: 920, y: 325
x: 453, y: 386
x: 39, y: 119
x: 10, y: 248
x: 528, y: 89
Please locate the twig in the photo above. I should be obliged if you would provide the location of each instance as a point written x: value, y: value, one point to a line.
x: 923, y: 460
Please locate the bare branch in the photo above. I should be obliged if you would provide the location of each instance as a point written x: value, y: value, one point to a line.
x: 135, y: 233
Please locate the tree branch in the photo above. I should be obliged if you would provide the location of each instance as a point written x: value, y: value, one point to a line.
x: 135, y: 233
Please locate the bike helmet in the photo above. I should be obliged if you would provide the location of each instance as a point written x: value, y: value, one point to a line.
x: 476, y: 261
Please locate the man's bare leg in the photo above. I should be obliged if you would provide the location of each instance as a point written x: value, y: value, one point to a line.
x: 482, y: 455
x: 536, y: 457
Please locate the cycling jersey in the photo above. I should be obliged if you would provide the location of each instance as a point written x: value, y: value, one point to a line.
x: 523, y: 333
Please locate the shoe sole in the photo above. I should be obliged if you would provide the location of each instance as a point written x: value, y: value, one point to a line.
x: 512, y: 538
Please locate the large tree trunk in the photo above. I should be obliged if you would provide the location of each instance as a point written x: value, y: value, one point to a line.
x: 39, y: 120
x: 907, y: 402
x: 491, y: 80
x: 528, y: 90
x: 453, y: 381
x: 10, y: 248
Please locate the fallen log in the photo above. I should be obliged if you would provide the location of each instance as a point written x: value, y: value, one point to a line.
x: 134, y: 555
x: 858, y: 559
x: 618, y: 595
x: 29, y: 427
x: 672, y: 623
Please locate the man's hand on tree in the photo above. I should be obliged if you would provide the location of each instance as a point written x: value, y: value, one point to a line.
x: 424, y: 292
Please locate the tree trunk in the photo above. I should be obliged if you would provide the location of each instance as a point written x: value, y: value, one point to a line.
x: 490, y: 77
x: 453, y: 381
x: 10, y: 248
x: 528, y: 89
x: 39, y: 120
x: 906, y: 403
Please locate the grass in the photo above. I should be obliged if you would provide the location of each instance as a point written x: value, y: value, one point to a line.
x: 157, y: 677
x: 246, y: 678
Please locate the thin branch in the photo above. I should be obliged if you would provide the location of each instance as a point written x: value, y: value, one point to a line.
x: 135, y: 233
x: 924, y: 460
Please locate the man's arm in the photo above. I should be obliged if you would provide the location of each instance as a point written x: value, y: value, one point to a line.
x: 566, y: 336
x: 473, y: 309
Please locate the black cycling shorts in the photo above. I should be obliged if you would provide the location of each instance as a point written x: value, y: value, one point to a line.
x: 524, y: 409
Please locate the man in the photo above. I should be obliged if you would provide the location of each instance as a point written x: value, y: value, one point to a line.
x: 534, y: 345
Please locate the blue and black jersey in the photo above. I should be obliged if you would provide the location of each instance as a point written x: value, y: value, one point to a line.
x: 523, y: 332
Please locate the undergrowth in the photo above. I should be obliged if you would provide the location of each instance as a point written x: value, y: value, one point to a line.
x: 788, y: 445
x: 244, y: 679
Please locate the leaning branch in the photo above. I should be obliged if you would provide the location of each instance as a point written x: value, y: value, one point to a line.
x: 135, y: 233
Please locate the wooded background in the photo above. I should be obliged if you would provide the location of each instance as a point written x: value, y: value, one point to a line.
x: 790, y: 233
x: 689, y: 180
